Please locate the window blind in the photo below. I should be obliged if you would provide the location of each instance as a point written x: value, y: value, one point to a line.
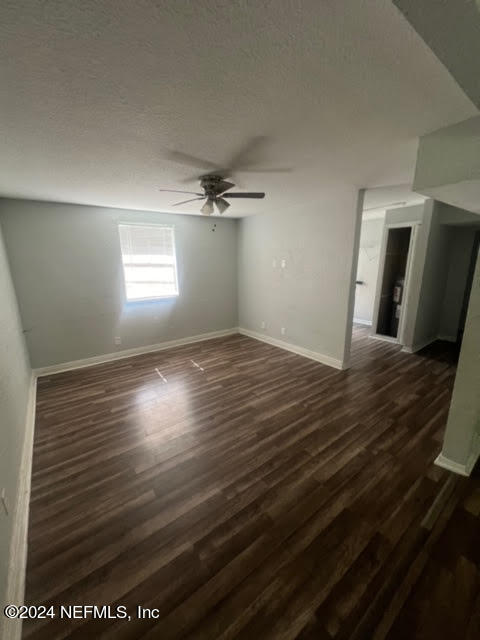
x: 149, y: 261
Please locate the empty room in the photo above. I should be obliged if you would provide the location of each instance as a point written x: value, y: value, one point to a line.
x: 239, y: 320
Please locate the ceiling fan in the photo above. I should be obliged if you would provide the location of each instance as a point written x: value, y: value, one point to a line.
x: 214, y: 183
x: 214, y: 192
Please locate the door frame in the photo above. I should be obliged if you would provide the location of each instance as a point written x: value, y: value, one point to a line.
x: 412, y: 247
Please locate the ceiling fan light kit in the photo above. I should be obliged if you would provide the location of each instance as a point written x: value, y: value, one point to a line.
x: 207, y: 208
x: 215, y: 189
x: 214, y: 184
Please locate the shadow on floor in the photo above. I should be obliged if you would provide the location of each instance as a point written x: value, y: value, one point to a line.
x: 441, y: 351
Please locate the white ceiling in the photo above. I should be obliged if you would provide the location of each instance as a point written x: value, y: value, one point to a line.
x: 452, y: 31
x: 94, y: 94
x: 379, y: 199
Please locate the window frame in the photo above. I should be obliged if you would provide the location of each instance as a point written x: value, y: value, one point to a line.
x: 175, y: 265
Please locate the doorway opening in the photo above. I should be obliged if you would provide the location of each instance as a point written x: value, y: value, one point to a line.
x: 388, y: 242
x: 393, y: 280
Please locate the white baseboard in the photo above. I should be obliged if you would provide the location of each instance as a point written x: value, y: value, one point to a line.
x: 367, y: 323
x: 12, y: 629
x: 446, y: 337
x: 425, y: 343
x: 128, y: 353
x: 378, y: 336
x: 301, y: 351
x: 420, y: 346
x: 456, y: 467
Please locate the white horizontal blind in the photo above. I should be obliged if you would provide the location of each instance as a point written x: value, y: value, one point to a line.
x: 149, y: 262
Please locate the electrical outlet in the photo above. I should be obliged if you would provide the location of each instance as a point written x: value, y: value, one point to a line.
x: 3, y: 500
x: 282, y: 331
x: 283, y: 264
x: 118, y: 340
x: 263, y: 325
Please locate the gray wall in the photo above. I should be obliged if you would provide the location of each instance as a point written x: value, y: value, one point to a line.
x: 456, y: 216
x: 449, y: 156
x: 367, y: 269
x: 448, y: 165
x: 66, y: 268
x: 15, y: 377
x: 310, y: 296
x: 434, y: 279
x: 461, y: 246
x: 462, y: 436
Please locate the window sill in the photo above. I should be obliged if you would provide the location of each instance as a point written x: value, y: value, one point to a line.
x: 156, y: 299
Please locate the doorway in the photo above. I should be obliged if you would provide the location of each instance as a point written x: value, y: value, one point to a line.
x: 393, y: 281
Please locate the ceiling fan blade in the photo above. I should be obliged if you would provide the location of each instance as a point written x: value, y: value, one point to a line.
x: 216, y: 172
x: 268, y: 170
x: 176, y: 204
x: 194, y: 193
x: 191, y: 161
x: 249, y: 194
x: 247, y: 154
x: 222, y: 205
x: 207, y: 208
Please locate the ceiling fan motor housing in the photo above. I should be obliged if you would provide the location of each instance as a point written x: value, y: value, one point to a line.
x: 215, y: 188
x: 213, y: 185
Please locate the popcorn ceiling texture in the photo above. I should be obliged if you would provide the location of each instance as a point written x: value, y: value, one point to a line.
x: 452, y: 31
x: 92, y: 94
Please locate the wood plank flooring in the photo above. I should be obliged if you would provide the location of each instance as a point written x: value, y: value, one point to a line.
x: 246, y: 492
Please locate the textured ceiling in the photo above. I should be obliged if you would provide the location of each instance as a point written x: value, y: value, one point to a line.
x: 452, y: 30
x: 93, y: 94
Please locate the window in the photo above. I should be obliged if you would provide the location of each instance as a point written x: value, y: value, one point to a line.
x: 149, y: 262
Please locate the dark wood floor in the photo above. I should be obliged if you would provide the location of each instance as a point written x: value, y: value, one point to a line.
x: 247, y: 492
